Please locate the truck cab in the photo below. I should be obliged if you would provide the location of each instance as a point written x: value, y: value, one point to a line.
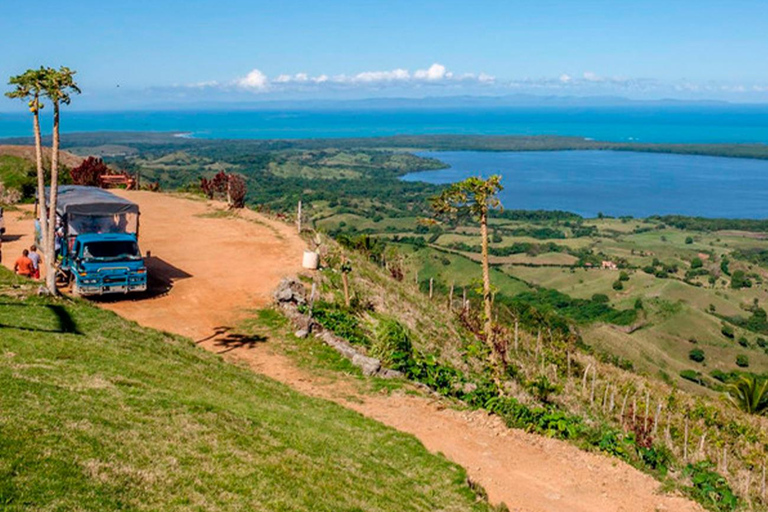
x: 107, y: 263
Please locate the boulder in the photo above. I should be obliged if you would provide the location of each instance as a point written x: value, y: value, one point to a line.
x: 290, y: 291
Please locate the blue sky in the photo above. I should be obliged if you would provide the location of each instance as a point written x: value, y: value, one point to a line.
x: 169, y: 51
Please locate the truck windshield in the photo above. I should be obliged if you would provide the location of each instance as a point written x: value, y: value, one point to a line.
x: 111, y: 251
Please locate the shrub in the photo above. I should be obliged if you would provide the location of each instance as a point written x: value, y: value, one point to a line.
x: 617, y: 285
x: 696, y: 355
x: 709, y: 488
x: 727, y: 331
x: 88, y: 172
x: 600, y: 298
x: 693, y: 376
x: 742, y: 361
x: 740, y: 280
x: 392, y: 345
x: 744, y: 342
x: 688, y: 240
x: 623, y: 276
x: 761, y: 343
x: 696, y: 263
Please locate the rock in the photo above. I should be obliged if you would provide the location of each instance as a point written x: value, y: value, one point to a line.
x: 386, y: 373
x: 369, y: 365
x: 290, y: 290
x: 301, y: 333
x: 469, y: 387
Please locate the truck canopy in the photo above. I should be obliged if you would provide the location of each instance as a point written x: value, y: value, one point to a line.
x: 95, y: 210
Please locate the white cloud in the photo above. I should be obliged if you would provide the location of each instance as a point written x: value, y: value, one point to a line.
x: 255, y: 80
x: 435, y: 72
x: 564, y: 78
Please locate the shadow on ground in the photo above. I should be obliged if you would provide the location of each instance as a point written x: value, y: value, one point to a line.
x: 160, y: 280
x: 227, y: 340
x: 64, y: 321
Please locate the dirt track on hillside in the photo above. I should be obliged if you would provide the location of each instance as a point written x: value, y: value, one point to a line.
x: 218, y: 268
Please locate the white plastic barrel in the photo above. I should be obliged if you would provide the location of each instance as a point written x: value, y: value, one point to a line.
x: 311, y: 260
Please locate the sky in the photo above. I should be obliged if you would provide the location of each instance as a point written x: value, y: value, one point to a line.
x: 164, y: 53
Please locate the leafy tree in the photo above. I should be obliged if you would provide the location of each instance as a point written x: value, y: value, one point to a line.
x: 727, y: 331
x: 89, y: 171
x: 696, y: 263
x: 749, y: 394
x: 623, y: 276
x: 742, y: 361
x: 29, y: 87
x: 688, y: 240
x: 58, y: 86
x: 739, y: 280
x: 696, y: 355
x: 474, y: 198
x: 617, y: 285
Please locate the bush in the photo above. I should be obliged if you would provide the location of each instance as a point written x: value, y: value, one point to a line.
x: 600, y: 298
x: 693, y: 376
x: 744, y: 342
x: 88, y: 172
x: 727, y: 331
x: 742, y: 361
x: 392, y: 345
x: 696, y: 355
x: 617, y: 285
x: 740, y: 280
x: 688, y: 240
x: 696, y: 263
x: 709, y: 488
x: 623, y: 276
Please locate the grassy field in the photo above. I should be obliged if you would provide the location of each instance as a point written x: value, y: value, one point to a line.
x: 97, y: 413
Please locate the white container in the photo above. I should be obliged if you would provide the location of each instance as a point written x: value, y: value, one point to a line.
x: 311, y: 260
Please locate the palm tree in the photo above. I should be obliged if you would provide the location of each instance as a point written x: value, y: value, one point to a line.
x: 474, y: 198
x: 29, y: 87
x: 749, y: 394
x: 58, y: 87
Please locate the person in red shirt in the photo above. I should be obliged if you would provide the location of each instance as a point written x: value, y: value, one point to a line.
x: 24, y: 266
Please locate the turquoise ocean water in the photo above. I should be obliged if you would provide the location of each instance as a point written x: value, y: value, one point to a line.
x: 687, y: 123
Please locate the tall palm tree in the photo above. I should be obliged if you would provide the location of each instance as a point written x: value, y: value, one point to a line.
x: 474, y: 198
x: 58, y: 86
x: 29, y: 88
x: 749, y: 394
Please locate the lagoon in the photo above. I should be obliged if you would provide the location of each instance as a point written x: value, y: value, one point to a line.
x: 615, y: 183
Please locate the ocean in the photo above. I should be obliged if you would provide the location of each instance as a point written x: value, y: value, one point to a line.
x: 615, y: 183
x: 674, y: 123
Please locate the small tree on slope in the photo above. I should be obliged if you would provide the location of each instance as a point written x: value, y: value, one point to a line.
x: 474, y: 198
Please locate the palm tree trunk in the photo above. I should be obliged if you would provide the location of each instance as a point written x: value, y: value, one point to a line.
x: 486, y: 279
x: 40, y: 177
x: 50, y: 262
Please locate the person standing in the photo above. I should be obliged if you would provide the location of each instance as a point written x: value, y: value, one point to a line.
x: 23, y: 265
x: 36, y: 260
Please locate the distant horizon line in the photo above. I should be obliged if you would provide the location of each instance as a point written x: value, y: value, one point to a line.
x: 465, y: 101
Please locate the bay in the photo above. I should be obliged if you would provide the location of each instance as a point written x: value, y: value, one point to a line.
x: 615, y: 183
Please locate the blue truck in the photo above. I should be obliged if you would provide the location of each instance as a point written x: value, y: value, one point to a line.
x: 97, y: 242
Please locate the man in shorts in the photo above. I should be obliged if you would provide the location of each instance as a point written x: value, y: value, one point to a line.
x: 36, y: 260
x: 23, y: 265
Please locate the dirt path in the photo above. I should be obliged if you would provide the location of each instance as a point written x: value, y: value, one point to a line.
x: 220, y: 267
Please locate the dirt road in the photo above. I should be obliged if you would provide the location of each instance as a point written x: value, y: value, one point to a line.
x: 219, y: 267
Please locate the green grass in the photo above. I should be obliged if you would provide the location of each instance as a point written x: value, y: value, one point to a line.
x: 97, y: 413
x: 17, y: 173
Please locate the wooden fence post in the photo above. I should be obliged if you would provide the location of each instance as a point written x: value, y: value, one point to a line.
x: 584, y: 379
x: 450, y: 299
x: 431, y: 283
x: 298, y: 217
x: 594, y: 379
x: 685, y: 441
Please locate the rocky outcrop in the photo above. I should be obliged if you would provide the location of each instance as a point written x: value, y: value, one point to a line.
x: 289, y: 295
